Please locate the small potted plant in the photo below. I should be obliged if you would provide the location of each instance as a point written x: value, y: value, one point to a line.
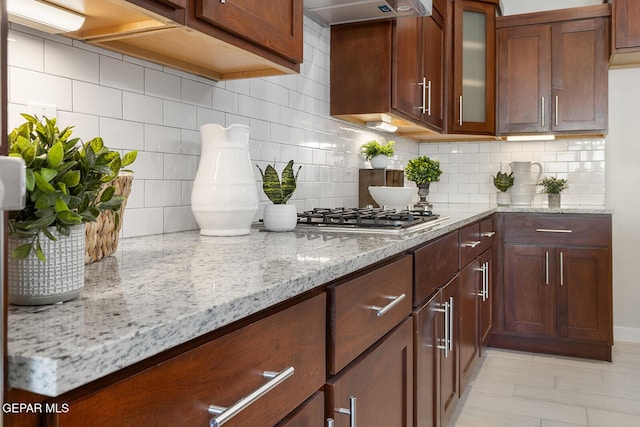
x: 64, y: 189
x: 423, y: 171
x: 378, y: 154
x: 553, y: 186
x: 279, y: 216
x: 503, y: 182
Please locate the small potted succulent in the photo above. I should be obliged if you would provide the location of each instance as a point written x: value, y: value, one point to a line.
x: 503, y: 181
x: 553, y: 186
x: 423, y: 171
x: 65, y: 182
x: 378, y: 154
x: 279, y: 216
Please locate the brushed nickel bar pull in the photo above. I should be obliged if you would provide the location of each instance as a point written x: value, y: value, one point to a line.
x: 460, y: 110
x: 486, y: 281
x: 445, y: 310
x: 556, y: 110
x: 561, y: 269
x: 381, y: 311
x: 482, y: 269
x: 222, y: 414
x: 429, y: 99
x: 330, y: 422
x: 488, y: 234
x: 553, y: 230
x: 546, y: 255
x: 450, y: 324
x: 471, y: 244
x: 351, y: 411
x: 542, y: 108
x: 423, y: 108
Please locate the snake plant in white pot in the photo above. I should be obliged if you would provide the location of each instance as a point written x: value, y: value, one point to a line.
x: 279, y: 216
x: 64, y: 182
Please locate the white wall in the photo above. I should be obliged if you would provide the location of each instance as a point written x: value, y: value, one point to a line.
x: 622, y: 184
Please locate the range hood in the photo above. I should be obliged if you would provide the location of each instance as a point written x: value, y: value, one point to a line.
x: 329, y: 12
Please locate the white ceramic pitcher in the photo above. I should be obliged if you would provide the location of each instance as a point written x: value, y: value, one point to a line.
x: 224, y: 199
x: 524, y: 183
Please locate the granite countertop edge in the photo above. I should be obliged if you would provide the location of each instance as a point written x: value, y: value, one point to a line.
x: 54, y: 349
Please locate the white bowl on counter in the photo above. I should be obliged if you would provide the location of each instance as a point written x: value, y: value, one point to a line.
x: 393, y: 197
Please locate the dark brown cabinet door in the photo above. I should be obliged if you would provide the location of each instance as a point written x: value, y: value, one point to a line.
x: 378, y: 385
x: 469, y: 348
x: 428, y: 323
x: 275, y: 24
x: 529, y: 295
x: 473, y: 104
x: 406, y: 67
x: 584, y: 294
x: 433, y: 71
x: 524, y: 79
x: 626, y: 15
x: 485, y: 296
x: 449, y: 373
x: 580, y: 75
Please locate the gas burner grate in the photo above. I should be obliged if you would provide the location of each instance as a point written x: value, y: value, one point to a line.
x: 365, y: 217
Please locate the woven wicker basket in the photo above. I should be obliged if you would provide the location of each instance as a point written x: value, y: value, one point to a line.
x: 102, y: 235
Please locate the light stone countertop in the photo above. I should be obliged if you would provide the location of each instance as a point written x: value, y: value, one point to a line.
x: 157, y: 292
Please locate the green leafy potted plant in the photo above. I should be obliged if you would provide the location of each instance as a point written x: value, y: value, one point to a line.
x: 503, y: 181
x: 64, y: 179
x: 279, y: 216
x: 423, y: 171
x: 553, y: 186
x: 378, y: 154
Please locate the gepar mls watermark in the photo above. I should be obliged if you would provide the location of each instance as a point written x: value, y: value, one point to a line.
x: 35, y: 408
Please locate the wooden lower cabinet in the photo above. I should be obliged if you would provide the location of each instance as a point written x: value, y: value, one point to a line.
x: 554, y: 295
x: 309, y: 414
x: 377, y: 388
x: 467, y: 313
x: 436, y: 361
x: 178, y: 392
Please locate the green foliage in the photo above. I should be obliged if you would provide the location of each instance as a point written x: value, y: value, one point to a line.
x: 63, y: 180
x: 374, y: 148
x: 503, y: 181
x: 423, y: 169
x: 554, y: 185
x: 279, y: 192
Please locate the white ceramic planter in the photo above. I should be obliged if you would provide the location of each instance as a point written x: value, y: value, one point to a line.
x: 280, y: 217
x: 61, y: 278
x: 380, y: 161
x: 503, y: 198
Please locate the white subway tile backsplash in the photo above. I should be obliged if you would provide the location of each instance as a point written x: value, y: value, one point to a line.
x: 163, y: 85
x: 122, y: 133
x: 141, y: 108
x: 158, y: 111
x: 67, y: 61
x: 163, y: 139
x: 94, y: 99
x: 25, y: 51
x: 30, y: 86
x: 121, y: 75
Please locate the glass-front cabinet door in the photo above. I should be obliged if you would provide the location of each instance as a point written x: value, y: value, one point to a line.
x: 473, y: 68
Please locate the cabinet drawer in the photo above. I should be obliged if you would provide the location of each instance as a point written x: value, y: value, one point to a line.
x: 221, y: 372
x: 487, y: 234
x: 470, y: 243
x: 434, y: 264
x: 367, y: 307
x: 591, y: 230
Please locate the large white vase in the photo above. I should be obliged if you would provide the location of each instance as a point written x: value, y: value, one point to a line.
x: 524, y: 183
x: 224, y: 199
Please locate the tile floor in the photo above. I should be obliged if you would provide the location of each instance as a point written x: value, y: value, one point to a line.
x: 517, y: 389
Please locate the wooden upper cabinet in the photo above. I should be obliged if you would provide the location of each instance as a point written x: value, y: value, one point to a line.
x: 406, y: 67
x: 274, y: 24
x: 626, y: 19
x: 580, y: 75
x: 524, y: 78
x: 472, y: 107
x: 553, y: 77
x: 433, y: 37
